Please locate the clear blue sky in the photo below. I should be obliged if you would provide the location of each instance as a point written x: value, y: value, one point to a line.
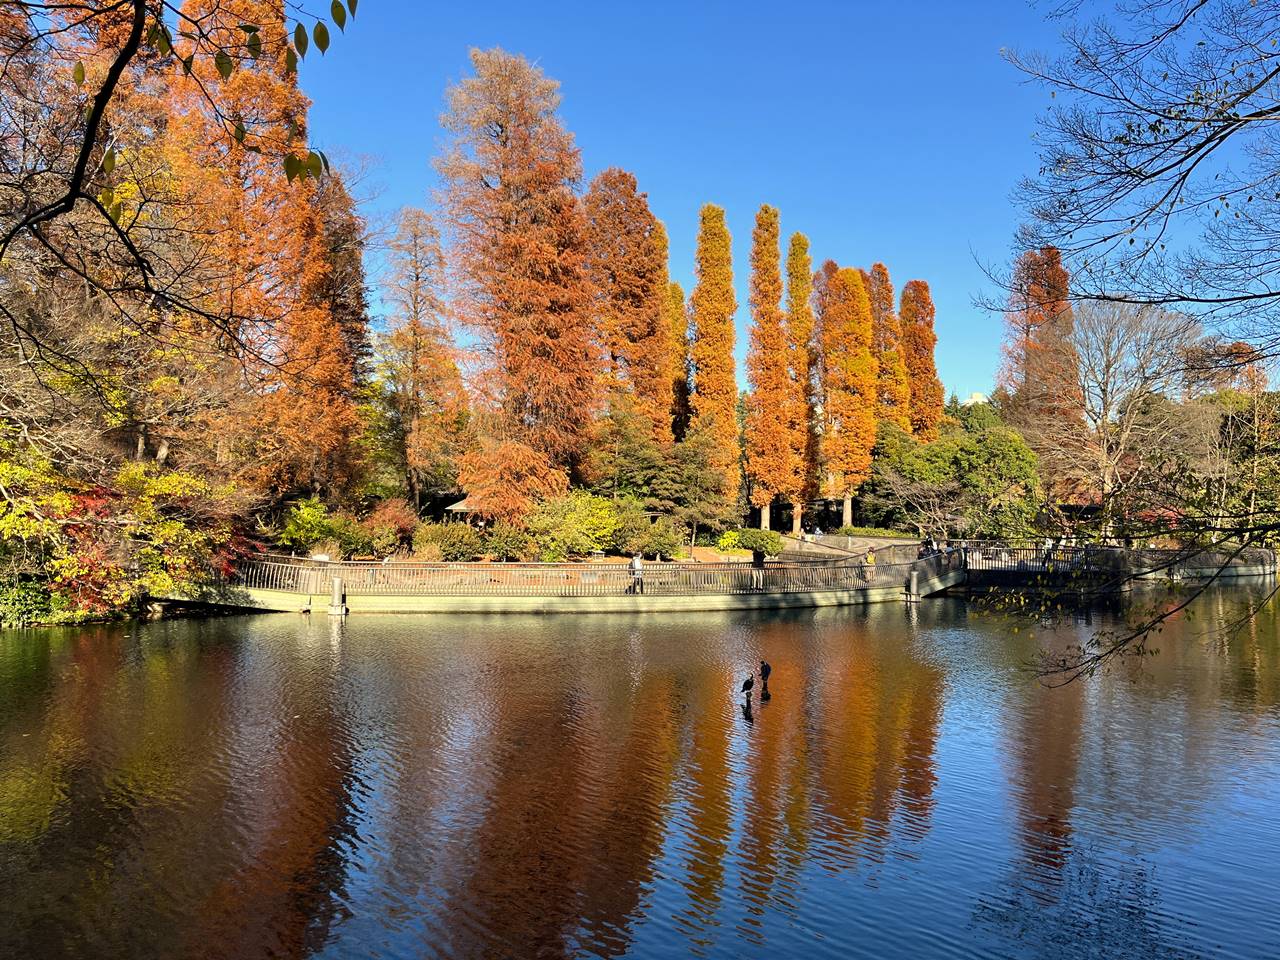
x: 889, y: 131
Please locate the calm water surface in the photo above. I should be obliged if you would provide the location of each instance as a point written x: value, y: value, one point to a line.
x: 589, y: 786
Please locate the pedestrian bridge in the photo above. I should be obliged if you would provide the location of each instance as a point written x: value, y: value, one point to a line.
x: 292, y: 584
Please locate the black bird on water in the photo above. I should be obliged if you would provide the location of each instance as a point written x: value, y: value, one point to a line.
x: 765, y: 670
x: 747, y: 684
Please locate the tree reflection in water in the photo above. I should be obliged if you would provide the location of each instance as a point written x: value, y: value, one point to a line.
x: 588, y: 786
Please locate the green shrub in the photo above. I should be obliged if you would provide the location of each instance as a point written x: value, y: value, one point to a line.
x: 638, y: 532
x: 572, y: 525
x: 666, y: 539
x: 768, y: 542
x: 456, y: 542
x: 306, y: 523
x: 729, y: 540
x: 24, y: 602
x: 349, y: 534
x: 506, y: 541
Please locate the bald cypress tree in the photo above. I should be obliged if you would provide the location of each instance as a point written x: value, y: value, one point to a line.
x: 772, y: 466
x: 893, y: 390
x: 803, y: 363
x: 715, y: 394
x: 849, y: 420
x: 918, y: 340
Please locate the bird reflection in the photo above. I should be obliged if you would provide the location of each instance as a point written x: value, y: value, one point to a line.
x: 746, y: 711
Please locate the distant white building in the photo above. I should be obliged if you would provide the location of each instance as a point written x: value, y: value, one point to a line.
x: 975, y: 398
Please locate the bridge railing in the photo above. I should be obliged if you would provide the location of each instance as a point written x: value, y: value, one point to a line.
x: 579, y: 579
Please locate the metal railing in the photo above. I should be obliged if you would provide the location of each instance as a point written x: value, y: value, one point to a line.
x: 411, y: 578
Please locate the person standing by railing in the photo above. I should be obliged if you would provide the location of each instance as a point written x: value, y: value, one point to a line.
x: 637, y: 574
x: 757, y: 570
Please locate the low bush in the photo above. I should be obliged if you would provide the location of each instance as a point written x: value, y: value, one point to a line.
x: 729, y: 540
x: 456, y: 542
x: 306, y: 523
x: 390, y: 526
x: 768, y: 542
x: 573, y: 525
x: 506, y: 541
x: 350, y: 535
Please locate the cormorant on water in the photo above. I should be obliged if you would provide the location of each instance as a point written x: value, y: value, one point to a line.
x: 765, y: 670
x: 747, y: 684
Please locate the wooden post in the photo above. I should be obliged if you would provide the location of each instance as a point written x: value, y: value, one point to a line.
x: 337, y: 599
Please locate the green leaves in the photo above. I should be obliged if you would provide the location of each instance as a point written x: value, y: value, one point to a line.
x: 314, y: 164
x: 339, y: 13
x: 222, y: 61
x: 77, y: 73
x: 300, y: 40
x: 109, y: 160
x: 320, y: 33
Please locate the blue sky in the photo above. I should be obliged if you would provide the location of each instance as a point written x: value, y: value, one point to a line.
x: 887, y: 131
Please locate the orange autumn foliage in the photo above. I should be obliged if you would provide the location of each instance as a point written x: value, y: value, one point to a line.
x: 715, y: 389
x: 849, y: 421
x: 772, y: 466
x: 505, y: 479
x: 893, y: 390
x: 509, y: 176
x: 627, y: 262
x: 677, y: 320
x: 264, y: 240
x: 804, y: 354
x: 916, y: 315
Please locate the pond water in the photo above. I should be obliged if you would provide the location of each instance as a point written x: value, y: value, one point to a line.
x: 273, y: 786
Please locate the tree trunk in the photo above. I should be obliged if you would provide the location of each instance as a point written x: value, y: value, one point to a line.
x: 764, y: 517
x: 847, y: 514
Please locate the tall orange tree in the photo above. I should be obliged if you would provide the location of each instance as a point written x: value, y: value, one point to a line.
x: 916, y: 315
x: 1038, y: 326
x: 893, y: 389
x: 418, y: 366
x: 849, y: 412
x: 264, y: 246
x: 627, y: 262
x: 803, y: 374
x: 772, y: 466
x: 509, y: 175
x: 711, y: 308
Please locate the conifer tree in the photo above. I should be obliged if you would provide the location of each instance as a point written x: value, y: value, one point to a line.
x: 715, y: 394
x: 627, y: 262
x: 268, y: 274
x: 509, y: 177
x: 802, y: 379
x: 918, y: 341
x: 893, y: 389
x: 849, y: 412
x: 772, y: 465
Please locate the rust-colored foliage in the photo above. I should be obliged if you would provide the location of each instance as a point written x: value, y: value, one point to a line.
x: 419, y: 360
x: 916, y: 315
x: 505, y: 479
x: 715, y: 390
x: 893, y: 389
x: 627, y: 262
x: 1039, y: 364
x: 509, y: 175
x: 803, y: 350
x: 772, y: 465
x: 849, y: 421
x: 265, y: 250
